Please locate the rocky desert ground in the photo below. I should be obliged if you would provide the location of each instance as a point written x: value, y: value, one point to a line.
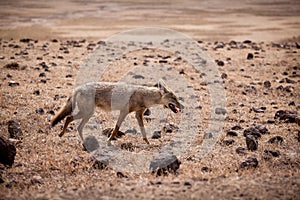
x: 254, y: 47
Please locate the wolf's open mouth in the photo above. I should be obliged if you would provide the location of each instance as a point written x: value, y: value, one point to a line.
x: 173, y: 108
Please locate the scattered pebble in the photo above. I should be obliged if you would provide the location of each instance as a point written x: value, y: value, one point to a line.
x: 127, y: 146
x: 13, y: 83
x: 250, y: 56
x: 40, y: 111
x: 251, y: 142
x: 276, y: 139
x: 108, y: 132
x: 288, y: 116
x: 165, y: 164
x: 156, y: 135
x: 250, y: 162
x: 7, y: 152
x: 90, y: 143
x: 228, y: 142
x: 232, y: 133
x: 14, y: 129
x: 220, y: 111
x: 273, y: 153
x: 121, y: 175
x: 241, y: 150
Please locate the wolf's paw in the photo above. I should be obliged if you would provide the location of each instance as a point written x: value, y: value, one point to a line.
x: 146, y: 140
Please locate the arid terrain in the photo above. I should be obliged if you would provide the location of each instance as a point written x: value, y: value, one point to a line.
x: 254, y: 47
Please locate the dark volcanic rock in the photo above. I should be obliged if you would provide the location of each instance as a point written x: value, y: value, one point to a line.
x: 237, y: 127
x: 228, y: 142
x: 250, y: 162
x: 108, y: 132
x: 252, y: 131
x: 232, y: 133
x: 288, y: 116
x: 262, y: 129
x: 276, y: 139
x: 241, y: 150
x: 220, y: 111
x: 251, y: 142
x: 272, y: 153
x: 156, y: 135
x: 13, y: 65
x: 170, y: 128
x: 250, y: 56
x: 127, y: 146
x: 7, y: 152
x: 90, y: 143
x: 267, y: 84
x: 14, y: 130
x: 165, y: 164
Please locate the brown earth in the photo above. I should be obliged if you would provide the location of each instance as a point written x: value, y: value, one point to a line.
x: 49, y: 167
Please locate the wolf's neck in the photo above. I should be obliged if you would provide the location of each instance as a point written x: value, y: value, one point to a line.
x: 154, y: 98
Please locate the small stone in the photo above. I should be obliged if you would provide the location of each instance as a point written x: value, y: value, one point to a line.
x: 250, y: 56
x: 241, y: 150
x: 121, y: 175
x: 147, y: 112
x: 247, y: 42
x: 36, y: 92
x: 267, y: 84
x: 204, y: 169
x: 165, y: 164
x: 237, y: 127
x: 232, y: 133
x: 288, y: 116
x: 220, y: 111
x: 251, y: 142
x: 7, y: 152
x: 250, y: 162
x: 224, y: 76
x: 90, y: 143
x: 36, y: 179
x: 40, y: 111
x: 170, y: 128
x: 156, y: 135
x: 273, y: 153
x: 13, y: 83
x: 262, y: 129
x: 258, y: 110
x: 228, y: 142
x: 276, y: 139
x: 220, y: 63
x: 108, y: 132
x: 13, y: 66
x: 252, y: 131
x: 187, y: 184
x: 138, y: 76
x: 14, y: 130
x: 127, y: 146
x: 43, y: 74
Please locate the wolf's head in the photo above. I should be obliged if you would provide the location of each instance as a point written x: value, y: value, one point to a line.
x: 169, y: 99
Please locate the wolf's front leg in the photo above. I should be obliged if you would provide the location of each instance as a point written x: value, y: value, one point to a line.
x: 139, y: 116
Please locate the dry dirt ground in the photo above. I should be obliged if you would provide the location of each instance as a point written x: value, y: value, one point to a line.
x: 260, y: 77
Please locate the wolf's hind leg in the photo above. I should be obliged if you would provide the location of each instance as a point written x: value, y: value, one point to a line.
x: 69, y: 119
x: 139, y: 116
x: 82, y: 124
x: 121, y: 118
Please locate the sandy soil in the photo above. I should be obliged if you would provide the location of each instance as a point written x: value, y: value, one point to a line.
x: 49, y: 167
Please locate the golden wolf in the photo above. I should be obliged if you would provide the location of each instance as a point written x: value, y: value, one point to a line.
x: 115, y: 96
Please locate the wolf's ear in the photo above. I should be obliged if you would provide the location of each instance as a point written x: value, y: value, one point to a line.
x: 161, y: 85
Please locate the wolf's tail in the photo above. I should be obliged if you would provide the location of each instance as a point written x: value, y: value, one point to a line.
x: 64, y: 111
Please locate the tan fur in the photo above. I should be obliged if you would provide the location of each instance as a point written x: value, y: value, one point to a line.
x: 114, y: 96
